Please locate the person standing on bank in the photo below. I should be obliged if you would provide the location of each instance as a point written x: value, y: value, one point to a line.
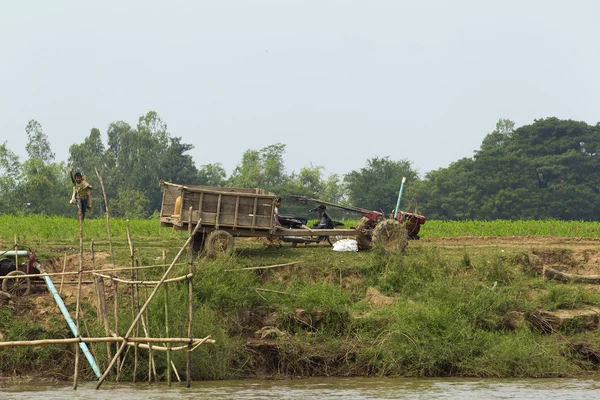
x: 82, y: 192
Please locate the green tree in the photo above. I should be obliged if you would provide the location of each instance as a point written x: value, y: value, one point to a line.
x: 263, y: 168
x: 38, y: 145
x: 135, y: 161
x: 376, y: 186
x: 212, y: 175
x: 10, y: 179
x: 548, y: 169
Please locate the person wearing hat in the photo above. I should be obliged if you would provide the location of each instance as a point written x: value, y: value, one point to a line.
x: 82, y: 192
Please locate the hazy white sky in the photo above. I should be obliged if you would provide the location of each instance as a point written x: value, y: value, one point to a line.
x: 338, y: 82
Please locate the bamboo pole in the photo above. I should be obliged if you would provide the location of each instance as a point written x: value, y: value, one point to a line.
x: 16, y: 252
x: 109, y: 339
x: 103, y: 308
x: 135, y: 304
x: 164, y: 258
x: 112, y: 254
x: 147, y: 329
x: 80, y: 219
x: 116, y: 311
x: 62, y: 279
x: 188, y: 370
x: 85, y: 272
x: 126, y: 336
x: 144, y: 283
x: 175, y: 370
x: 267, y: 267
x: 98, y: 311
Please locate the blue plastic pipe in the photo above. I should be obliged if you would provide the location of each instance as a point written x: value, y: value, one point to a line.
x: 65, y: 313
x: 399, y: 196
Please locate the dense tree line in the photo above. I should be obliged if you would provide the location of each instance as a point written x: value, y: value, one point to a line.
x: 549, y: 169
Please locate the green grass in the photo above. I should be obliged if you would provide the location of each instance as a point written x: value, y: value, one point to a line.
x: 452, y: 313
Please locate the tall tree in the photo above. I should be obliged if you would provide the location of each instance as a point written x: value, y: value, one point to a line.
x: 376, y: 186
x: 548, y: 169
x: 10, y: 179
x: 263, y: 168
x: 212, y: 175
x: 38, y: 145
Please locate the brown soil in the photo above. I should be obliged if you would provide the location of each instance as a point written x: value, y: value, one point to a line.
x: 571, y: 255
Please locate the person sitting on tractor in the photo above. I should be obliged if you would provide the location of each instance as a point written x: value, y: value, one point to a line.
x: 325, y: 222
x: 82, y: 193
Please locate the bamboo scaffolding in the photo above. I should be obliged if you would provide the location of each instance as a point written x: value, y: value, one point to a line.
x: 140, y: 314
x: 130, y: 330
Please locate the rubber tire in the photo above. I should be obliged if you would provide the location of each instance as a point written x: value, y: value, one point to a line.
x: 16, y: 286
x: 391, y: 236
x: 219, y: 242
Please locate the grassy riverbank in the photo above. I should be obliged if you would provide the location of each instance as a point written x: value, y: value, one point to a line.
x: 447, y: 307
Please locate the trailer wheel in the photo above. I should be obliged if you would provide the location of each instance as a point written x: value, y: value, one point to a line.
x: 391, y: 236
x: 16, y: 286
x: 219, y: 242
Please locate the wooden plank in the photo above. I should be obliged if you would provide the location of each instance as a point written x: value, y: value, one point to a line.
x: 235, y: 214
x: 315, y: 232
x: 199, y: 218
x: 254, y: 212
x: 218, y: 211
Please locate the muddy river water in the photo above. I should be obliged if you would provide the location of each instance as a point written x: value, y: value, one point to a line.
x: 318, y: 388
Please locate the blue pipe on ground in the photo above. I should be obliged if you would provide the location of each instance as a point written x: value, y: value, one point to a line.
x: 65, y: 313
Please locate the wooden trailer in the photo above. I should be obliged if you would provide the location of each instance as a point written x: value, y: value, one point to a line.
x: 225, y: 213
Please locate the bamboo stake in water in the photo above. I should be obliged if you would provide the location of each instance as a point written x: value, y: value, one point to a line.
x: 103, y: 309
x: 188, y: 369
x: 80, y: 218
x: 116, y: 309
x: 135, y: 300
x: 166, y: 274
x: 164, y: 258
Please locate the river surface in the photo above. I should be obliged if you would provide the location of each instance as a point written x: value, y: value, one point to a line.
x: 317, y: 388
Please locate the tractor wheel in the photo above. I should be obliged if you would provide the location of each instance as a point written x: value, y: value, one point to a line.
x: 391, y: 236
x: 365, y: 232
x: 219, y: 242
x: 16, y: 286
